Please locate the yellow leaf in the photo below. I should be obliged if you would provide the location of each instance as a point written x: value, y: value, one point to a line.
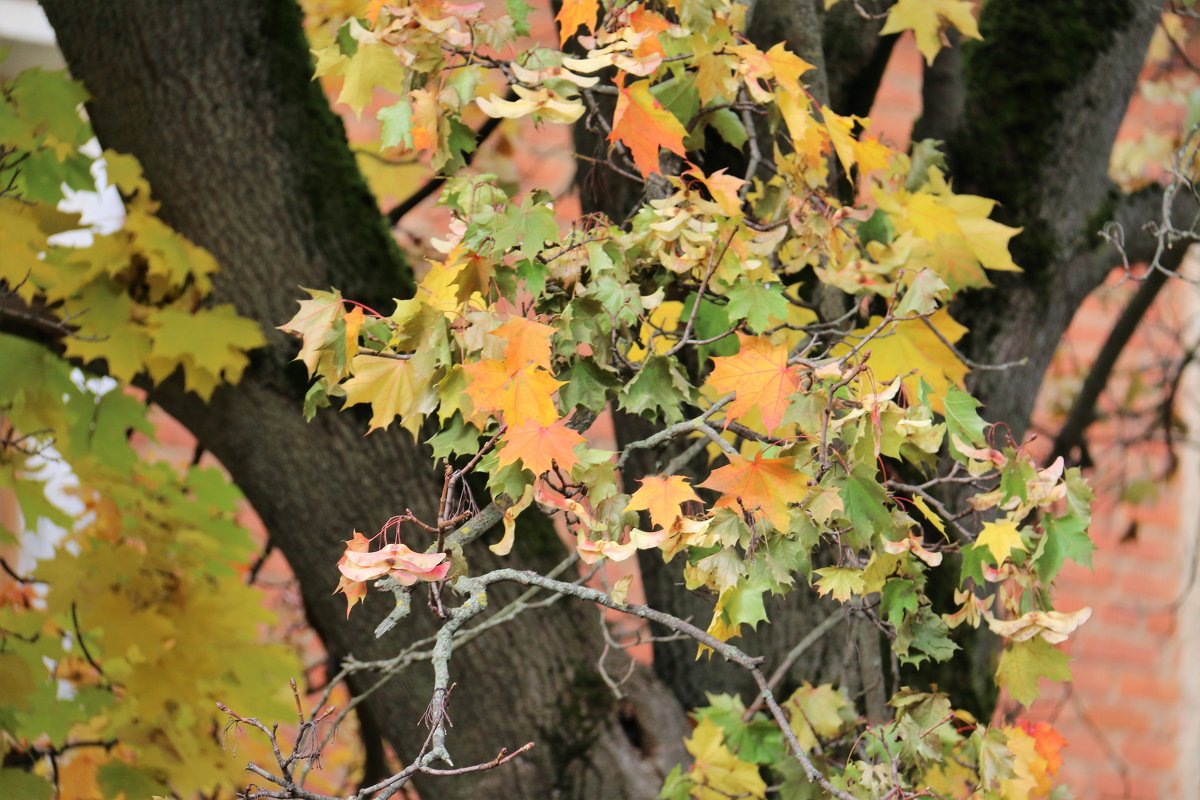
x: 393, y: 388
x: 906, y: 345
x: 928, y: 19
x: 929, y: 514
x: 312, y: 324
x: 1000, y: 538
x: 373, y: 66
x: 663, y: 497
x: 620, y: 590
x: 718, y: 774
x: 841, y: 136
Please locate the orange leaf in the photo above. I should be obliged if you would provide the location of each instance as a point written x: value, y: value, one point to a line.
x: 662, y: 497
x: 355, y: 591
x: 575, y: 13
x: 524, y: 394
x: 526, y: 342
x: 642, y: 124
x: 540, y: 446
x: 767, y: 485
x: 760, y: 376
x: 371, y: 12
x: 643, y: 20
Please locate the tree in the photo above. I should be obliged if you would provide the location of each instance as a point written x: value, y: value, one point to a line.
x: 248, y: 162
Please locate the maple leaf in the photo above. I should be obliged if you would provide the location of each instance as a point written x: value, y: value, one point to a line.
x: 355, y: 591
x: 841, y: 583
x: 539, y: 446
x: 526, y: 342
x: 1000, y: 538
x: 373, y: 66
x: 816, y: 711
x: 906, y: 344
x: 662, y: 497
x: 928, y: 18
x: 394, y: 387
x: 575, y: 13
x: 520, y: 395
x: 312, y: 324
x: 766, y: 485
x: 1022, y: 664
x: 642, y: 124
x: 716, y: 771
x: 760, y: 376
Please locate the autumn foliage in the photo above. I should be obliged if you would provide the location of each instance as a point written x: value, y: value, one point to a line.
x: 776, y: 308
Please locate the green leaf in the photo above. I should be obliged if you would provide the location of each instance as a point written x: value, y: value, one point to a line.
x: 865, y: 502
x: 316, y: 398
x: 1016, y: 476
x: 458, y: 438
x: 1065, y: 537
x: 1024, y: 663
x: 52, y: 100
x: 758, y: 303
x: 962, y: 419
x: 898, y: 599
x: 921, y: 722
x: 117, y: 778
x: 995, y: 757
x: 527, y: 227
x: 743, y: 604
x: 878, y: 228
x: 679, y: 96
x: 677, y: 786
x: 397, y: 124
x: 728, y: 126
x: 923, y: 636
x: 660, y: 388
x: 18, y: 784
x: 519, y: 11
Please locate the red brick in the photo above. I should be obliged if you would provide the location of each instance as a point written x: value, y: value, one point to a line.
x: 1149, y: 686
x: 1116, y: 649
x: 1140, y: 586
x: 1120, y: 716
x: 1143, y: 755
x: 1161, y: 623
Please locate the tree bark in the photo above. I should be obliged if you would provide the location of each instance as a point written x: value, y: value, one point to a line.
x: 1046, y: 91
x: 240, y: 147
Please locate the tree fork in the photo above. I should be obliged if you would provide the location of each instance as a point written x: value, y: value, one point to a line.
x: 240, y: 147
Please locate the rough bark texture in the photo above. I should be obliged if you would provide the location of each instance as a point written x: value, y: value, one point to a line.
x: 1046, y: 90
x: 216, y: 101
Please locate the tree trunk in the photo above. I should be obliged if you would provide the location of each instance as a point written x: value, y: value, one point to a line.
x: 217, y: 102
x: 1045, y: 92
